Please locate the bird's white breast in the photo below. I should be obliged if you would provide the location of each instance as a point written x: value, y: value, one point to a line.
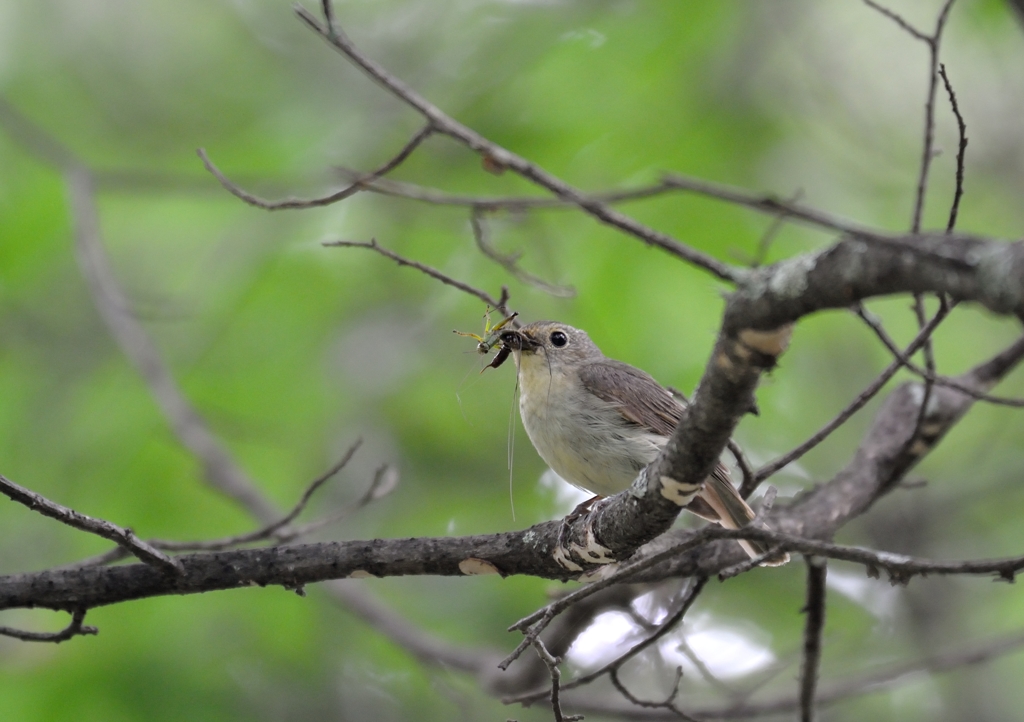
x: 584, y: 439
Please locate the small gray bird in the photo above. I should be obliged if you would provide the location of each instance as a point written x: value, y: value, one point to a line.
x: 598, y: 422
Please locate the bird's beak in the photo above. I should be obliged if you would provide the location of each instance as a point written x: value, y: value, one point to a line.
x: 519, y: 340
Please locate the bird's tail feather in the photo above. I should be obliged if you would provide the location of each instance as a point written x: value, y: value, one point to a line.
x: 733, y: 512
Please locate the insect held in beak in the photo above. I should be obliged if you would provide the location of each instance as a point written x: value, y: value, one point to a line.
x: 492, y: 337
x: 499, y: 358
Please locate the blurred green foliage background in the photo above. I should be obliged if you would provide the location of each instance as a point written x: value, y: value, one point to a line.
x: 291, y: 350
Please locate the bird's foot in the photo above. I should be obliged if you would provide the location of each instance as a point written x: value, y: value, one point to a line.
x: 592, y: 551
x: 581, y: 510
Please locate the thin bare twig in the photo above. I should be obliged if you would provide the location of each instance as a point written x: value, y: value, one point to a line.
x: 768, y: 204
x: 747, y: 564
x: 927, y: 154
x: 74, y: 629
x: 327, y: 7
x: 385, y: 479
x: 300, y: 506
x: 928, y: 150
x: 280, y: 532
x: 815, y: 610
x: 510, y: 262
x: 960, y: 153
x: 858, y: 403
x: 668, y: 704
x: 552, y: 663
x: 497, y: 303
x: 616, y: 664
x: 502, y: 158
x: 748, y: 485
x: 929, y: 364
x: 514, y: 204
x: 768, y: 237
x: 767, y: 502
x: 358, y: 184
x: 898, y: 567
x: 120, y: 535
x: 772, y: 205
x: 533, y: 624
x: 898, y: 19
x: 853, y: 685
x: 928, y: 375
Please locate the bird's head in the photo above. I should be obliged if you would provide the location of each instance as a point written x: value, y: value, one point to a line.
x: 551, y: 344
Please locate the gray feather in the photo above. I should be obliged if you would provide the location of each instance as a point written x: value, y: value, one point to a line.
x: 638, y: 397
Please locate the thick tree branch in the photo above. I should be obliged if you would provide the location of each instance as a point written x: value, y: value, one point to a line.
x: 521, y: 552
x: 967, y: 268
x: 755, y: 332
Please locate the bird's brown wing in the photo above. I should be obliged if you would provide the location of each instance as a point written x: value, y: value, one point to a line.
x: 639, y: 398
x: 643, y: 401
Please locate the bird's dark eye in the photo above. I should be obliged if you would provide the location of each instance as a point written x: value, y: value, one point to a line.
x: 559, y: 339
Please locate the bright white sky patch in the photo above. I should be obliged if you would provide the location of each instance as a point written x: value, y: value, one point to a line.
x: 727, y: 651
x: 610, y: 634
x: 650, y: 607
